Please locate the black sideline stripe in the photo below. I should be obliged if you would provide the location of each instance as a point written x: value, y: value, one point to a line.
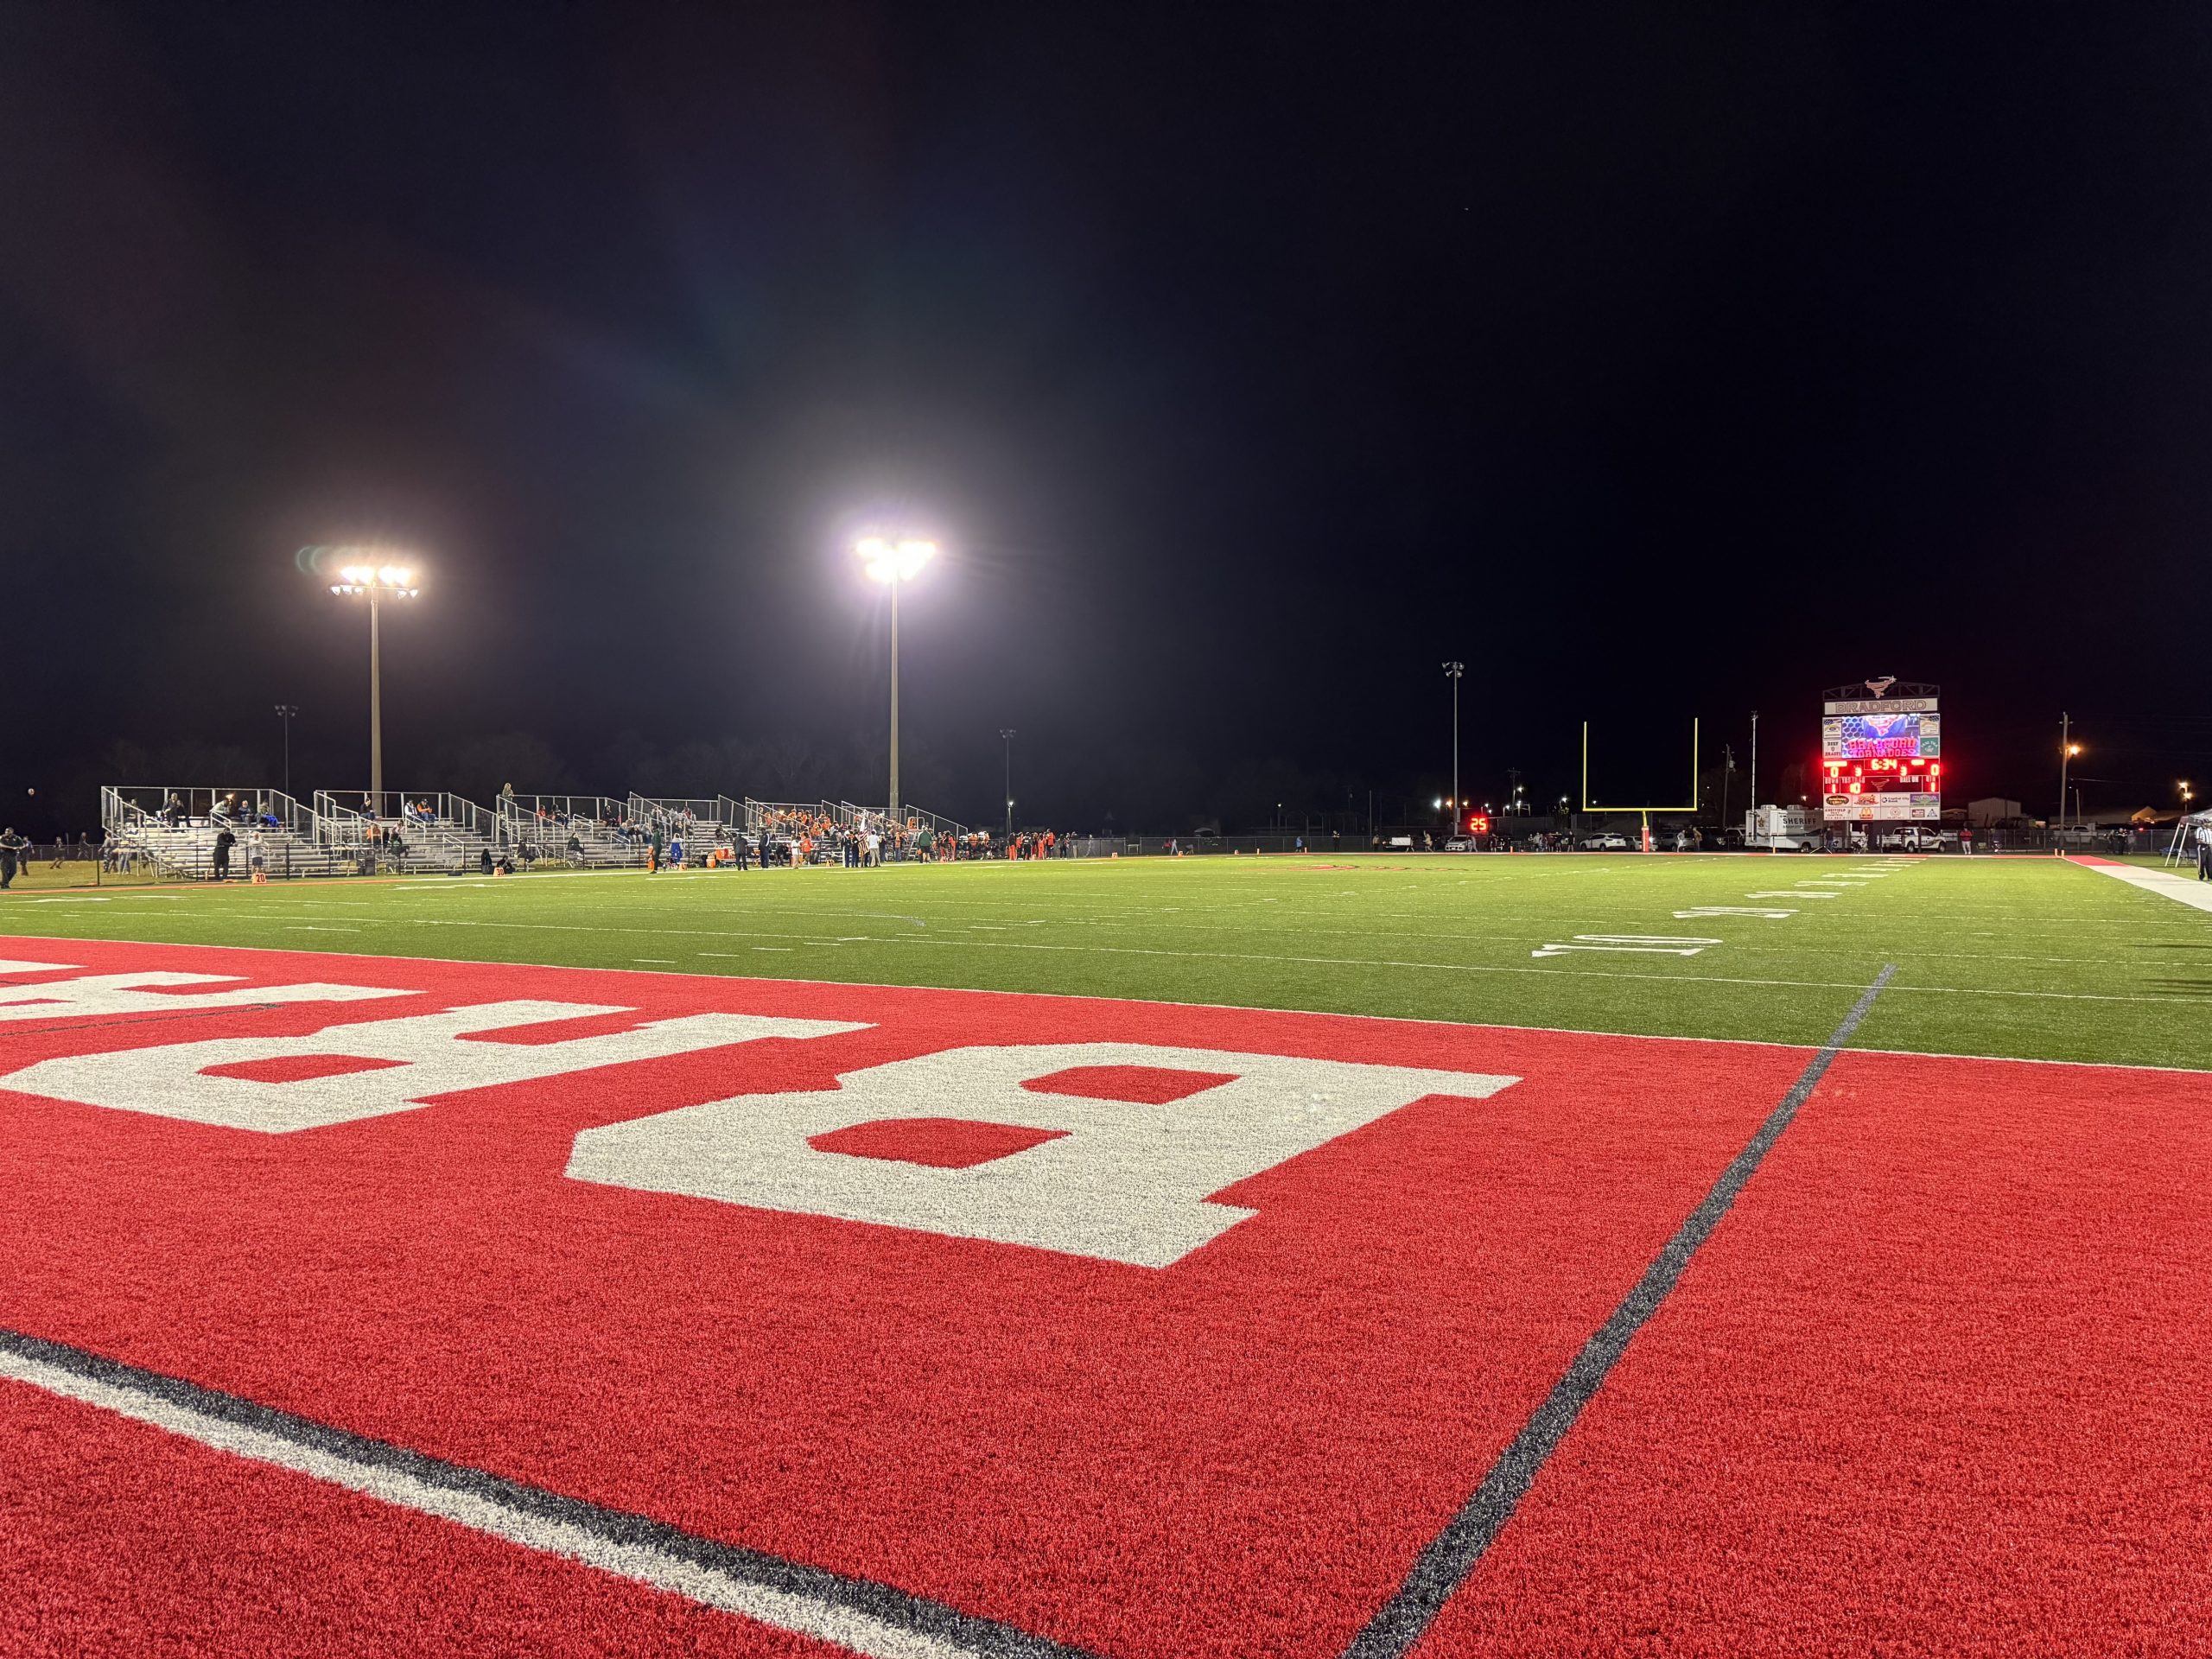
x: 745, y: 1567
x: 1456, y: 1551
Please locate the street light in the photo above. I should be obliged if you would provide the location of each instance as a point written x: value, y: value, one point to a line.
x: 363, y: 576
x: 1007, y: 732
x: 895, y: 562
x: 288, y: 712
x: 1453, y: 672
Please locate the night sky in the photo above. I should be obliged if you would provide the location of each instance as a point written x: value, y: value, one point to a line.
x: 1249, y: 365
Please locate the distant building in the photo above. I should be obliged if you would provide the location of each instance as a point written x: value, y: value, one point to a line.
x: 1993, y: 809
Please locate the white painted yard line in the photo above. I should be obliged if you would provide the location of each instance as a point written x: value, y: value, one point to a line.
x: 2182, y: 889
x: 1572, y: 973
x: 1621, y: 950
x: 1697, y: 911
x: 1792, y: 893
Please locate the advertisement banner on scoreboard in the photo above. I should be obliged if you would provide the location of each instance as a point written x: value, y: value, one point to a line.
x: 1891, y: 806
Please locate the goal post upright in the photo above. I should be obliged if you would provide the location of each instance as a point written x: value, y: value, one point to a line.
x: 1644, y: 811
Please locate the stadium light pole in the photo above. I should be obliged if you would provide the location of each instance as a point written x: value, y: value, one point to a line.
x: 894, y: 563
x: 1007, y: 732
x: 287, y: 712
x: 376, y: 582
x: 1453, y: 672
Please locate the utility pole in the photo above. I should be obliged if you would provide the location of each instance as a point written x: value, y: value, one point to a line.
x: 1755, y: 771
x: 2065, y: 753
x: 286, y: 712
x: 1453, y: 672
x: 1007, y: 732
x: 1727, y: 767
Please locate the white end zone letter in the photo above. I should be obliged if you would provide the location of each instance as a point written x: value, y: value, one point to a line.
x: 144, y: 993
x: 1126, y: 1182
x: 430, y: 1051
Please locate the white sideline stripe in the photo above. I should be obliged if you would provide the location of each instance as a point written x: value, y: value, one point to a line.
x: 2182, y: 889
x: 641, y: 1563
x: 36, y: 967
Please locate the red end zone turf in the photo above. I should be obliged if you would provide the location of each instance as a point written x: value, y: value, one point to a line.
x: 120, y: 1539
x: 1233, y: 1444
x: 1937, y: 1386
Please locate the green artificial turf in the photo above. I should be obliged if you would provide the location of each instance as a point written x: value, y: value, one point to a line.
x: 2033, y: 959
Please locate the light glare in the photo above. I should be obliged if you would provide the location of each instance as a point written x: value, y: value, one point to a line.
x: 887, y: 561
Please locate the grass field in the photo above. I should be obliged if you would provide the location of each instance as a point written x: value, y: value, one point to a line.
x: 2029, y: 958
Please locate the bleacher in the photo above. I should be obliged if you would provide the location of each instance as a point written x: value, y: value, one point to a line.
x: 174, y: 829
x: 698, y: 824
x: 405, y: 833
x: 542, y: 827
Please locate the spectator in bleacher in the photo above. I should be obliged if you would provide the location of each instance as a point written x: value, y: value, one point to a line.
x: 14, y: 852
x: 576, y: 849
x: 172, y: 812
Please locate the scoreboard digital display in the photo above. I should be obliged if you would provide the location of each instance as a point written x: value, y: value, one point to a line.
x: 1881, y: 759
x: 1889, y: 736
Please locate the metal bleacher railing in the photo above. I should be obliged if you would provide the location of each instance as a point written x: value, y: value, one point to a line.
x: 403, y: 831
x: 587, y: 831
x: 173, y: 830
x: 916, y: 818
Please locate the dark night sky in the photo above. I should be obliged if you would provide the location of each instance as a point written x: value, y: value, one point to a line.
x: 1658, y: 361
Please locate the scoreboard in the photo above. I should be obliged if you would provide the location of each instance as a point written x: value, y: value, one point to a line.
x: 1881, y: 756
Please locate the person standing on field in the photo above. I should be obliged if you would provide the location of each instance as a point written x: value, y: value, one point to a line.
x: 2203, y: 856
x: 225, y: 840
x: 15, y: 853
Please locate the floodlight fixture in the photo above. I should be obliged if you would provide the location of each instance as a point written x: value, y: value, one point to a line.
x: 893, y: 562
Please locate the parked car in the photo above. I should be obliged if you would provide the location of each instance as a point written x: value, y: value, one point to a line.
x: 1605, y: 842
x: 1461, y: 845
